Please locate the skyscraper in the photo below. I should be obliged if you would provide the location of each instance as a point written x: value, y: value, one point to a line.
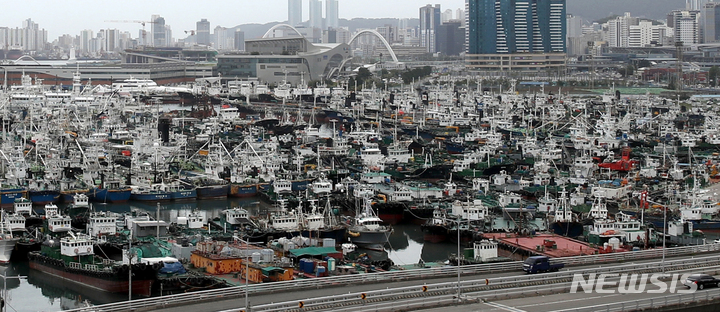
x: 239, y: 40
x: 429, y: 23
x: 695, y: 5
x: 450, y: 38
x: 316, y: 19
x: 85, y: 37
x: 331, y: 14
x: 294, y: 12
x: 515, y: 26
x: 711, y: 18
x: 157, y: 28
x: 202, y: 32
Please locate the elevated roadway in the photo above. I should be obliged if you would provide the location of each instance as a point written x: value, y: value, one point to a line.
x: 349, y: 287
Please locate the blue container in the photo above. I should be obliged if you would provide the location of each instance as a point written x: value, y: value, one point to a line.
x: 303, y: 265
x: 311, y: 266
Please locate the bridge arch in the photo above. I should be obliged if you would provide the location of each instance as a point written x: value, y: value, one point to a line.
x: 270, y: 31
x: 25, y: 57
x: 379, y: 36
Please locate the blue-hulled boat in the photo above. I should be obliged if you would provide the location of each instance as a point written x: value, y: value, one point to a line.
x: 183, y: 194
x: 454, y: 148
x: 212, y: 191
x: 243, y: 190
x: 113, y: 192
x: 45, y: 197
x: 300, y: 184
x: 143, y: 194
x: 69, y: 195
x: 8, y: 195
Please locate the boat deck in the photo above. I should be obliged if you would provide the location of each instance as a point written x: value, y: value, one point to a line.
x: 566, y: 247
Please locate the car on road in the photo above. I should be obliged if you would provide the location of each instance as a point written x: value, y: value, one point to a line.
x: 702, y: 281
x: 540, y: 264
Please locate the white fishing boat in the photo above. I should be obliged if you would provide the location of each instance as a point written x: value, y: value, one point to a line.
x: 367, y: 230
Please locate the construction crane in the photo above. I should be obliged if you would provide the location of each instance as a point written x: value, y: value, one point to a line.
x: 144, y: 33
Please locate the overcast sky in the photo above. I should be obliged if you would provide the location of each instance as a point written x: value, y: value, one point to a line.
x: 72, y: 16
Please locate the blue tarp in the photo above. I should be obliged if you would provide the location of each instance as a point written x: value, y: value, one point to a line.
x: 173, y: 267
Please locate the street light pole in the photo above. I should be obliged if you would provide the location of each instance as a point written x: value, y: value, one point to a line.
x: 130, y: 255
x: 247, y: 273
x: 458, y: 258
x: 662, y: 263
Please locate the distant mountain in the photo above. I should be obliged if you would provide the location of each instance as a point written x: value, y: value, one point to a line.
x: 258, y: 30
x: 592, y: 10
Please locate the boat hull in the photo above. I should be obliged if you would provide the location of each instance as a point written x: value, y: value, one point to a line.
x: 434, y: 233
x: 154, y: 196
x: 68, y: 196
x: 369, y: 239
x: 184, y: 195
x: 9, y: 195
x: 44, y: 197
x: 214, y: 191
x: 6, y: 249
x: 141, y: 287
x: 242, y: 191
x: 110, y: 195
x: 569, y: 229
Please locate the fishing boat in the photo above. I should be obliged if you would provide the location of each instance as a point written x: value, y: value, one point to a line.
x: 149, y: 194
x: 367, y: 231
x: 42, y: 197
x: 80, y: 206
x: 243, y: 190
x: 110, y: 192
x: 8, y: 195
x: 435, y: 228
x: 72, y: 258
x: 7, y: 240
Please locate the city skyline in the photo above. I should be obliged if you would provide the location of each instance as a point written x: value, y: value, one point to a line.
x: 60, y: 18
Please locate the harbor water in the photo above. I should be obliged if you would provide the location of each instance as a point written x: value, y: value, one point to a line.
x: 36, y: 291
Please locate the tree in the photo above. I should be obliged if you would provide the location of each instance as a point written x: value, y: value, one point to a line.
x: 713, y: 75
x: 363, y: 75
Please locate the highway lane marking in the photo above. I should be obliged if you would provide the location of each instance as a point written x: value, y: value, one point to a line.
x: 605, y: 304
x: 568, y: 300
x: 503, y: 307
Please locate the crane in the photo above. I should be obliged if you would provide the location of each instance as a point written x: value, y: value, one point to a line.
x: 144, y: 33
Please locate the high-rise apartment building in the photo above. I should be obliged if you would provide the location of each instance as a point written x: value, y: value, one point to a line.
x: 202, y: 32
x: 332, y: 14
x: 574, y: 26
x: 316, y: 19
x: 294, y: 12
x: 515, y: 26
x: 84, y: 40
x: 239, y: 40
x: 430, y: 18
x: 110, y: 40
